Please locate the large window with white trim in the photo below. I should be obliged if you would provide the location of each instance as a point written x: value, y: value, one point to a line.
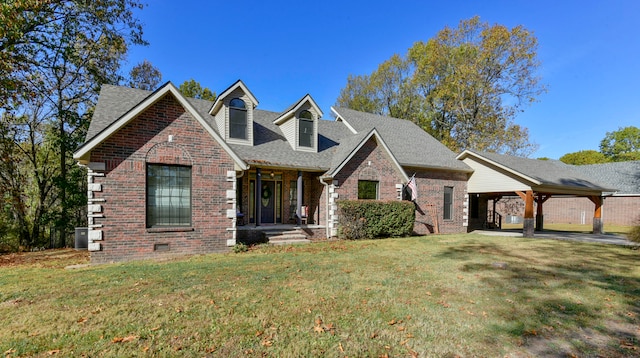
x: 168, y: 195
x: 237, y: 119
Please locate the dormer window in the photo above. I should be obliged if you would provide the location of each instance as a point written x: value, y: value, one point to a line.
x: 305, y: 129
x: 237, y: 119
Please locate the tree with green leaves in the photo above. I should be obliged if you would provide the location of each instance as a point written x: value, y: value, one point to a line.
x: 193, y: 89
x: 464, y: 86
x: 144, y: 76
x: 584, y: 157
x: 55, y: 55
x: 622, y: 145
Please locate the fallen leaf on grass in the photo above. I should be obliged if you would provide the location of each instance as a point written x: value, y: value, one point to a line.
x: 318, y: 329
x: 266, y: 343
x: 9, y: 351
x: 340, y: 347
x: 628, y: 345
x: 82, y: 319
x: 155, y: 328
x: 52, y: 352
x: 400, y: 328
x: 373, y: 335
x: 444, y: 304
x: 124, y: 339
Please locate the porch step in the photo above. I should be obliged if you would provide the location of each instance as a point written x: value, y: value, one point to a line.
x: 285, y: 237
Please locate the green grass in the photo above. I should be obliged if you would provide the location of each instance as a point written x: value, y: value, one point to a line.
x: 448, y: 295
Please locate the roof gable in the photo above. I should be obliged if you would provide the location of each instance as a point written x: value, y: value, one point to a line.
x: 167, y: 89
x: 346, y: 152
x: 237, y: 85
x: 291, y: 111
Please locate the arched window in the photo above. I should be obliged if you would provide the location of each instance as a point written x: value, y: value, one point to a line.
x: 305, y: 129
x: 237, y: 119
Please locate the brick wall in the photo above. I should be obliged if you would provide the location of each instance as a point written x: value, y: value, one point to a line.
x: 125, y: 154
x: 370, y: 163
x: 618, y: 210
x: 431, y: 184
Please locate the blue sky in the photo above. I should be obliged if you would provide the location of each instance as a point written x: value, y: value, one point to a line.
x: 282, y: 50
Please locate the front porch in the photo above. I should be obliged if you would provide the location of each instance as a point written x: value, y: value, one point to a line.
x: 279, y: 233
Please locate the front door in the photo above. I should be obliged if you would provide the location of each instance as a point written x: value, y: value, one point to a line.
x: 267, y: 202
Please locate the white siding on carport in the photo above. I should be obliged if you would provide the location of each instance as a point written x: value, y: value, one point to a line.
x: 491, y: 180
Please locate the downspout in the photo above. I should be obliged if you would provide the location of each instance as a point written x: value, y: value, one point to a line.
x: 326, y: 190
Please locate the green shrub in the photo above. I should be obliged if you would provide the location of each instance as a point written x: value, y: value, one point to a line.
x: 634, y: 234
x: 368, y: 219
x: 240, y: 247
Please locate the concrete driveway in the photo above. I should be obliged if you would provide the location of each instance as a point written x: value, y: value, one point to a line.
x: 612, y: 239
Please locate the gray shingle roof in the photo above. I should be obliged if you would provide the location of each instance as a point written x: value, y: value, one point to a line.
x: 409, y: 144
x: 113, y: 103
x: 548, y: 172
x: 625, y: 176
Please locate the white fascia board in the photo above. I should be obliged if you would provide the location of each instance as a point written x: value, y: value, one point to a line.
x: 142, y: 106
x: 307, y: 98
x: 467, y: 153
x: 372, y: 133
x: 218, y: 102
x: 341, y: 119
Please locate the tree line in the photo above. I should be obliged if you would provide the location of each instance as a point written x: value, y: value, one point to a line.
x: 54, y: 57
x: 617, y: 146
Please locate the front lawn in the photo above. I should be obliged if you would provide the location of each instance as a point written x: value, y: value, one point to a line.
x: 447, y: 295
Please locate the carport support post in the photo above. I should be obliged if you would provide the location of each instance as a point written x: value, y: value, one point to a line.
x: 597, y: 214
x: 529, y: 222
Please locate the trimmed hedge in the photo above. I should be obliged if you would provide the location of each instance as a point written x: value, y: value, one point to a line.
x: 369, y: 219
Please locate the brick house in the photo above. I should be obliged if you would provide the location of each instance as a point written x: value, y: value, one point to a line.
x: 170, y: 175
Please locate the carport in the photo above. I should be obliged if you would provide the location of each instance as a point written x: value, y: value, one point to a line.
x: 534, y: 181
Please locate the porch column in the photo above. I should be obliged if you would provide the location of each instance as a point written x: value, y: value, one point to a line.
x: 299, y: 198
x: 258, y: 194
x: 597, y: 214
x: 529, y: 222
